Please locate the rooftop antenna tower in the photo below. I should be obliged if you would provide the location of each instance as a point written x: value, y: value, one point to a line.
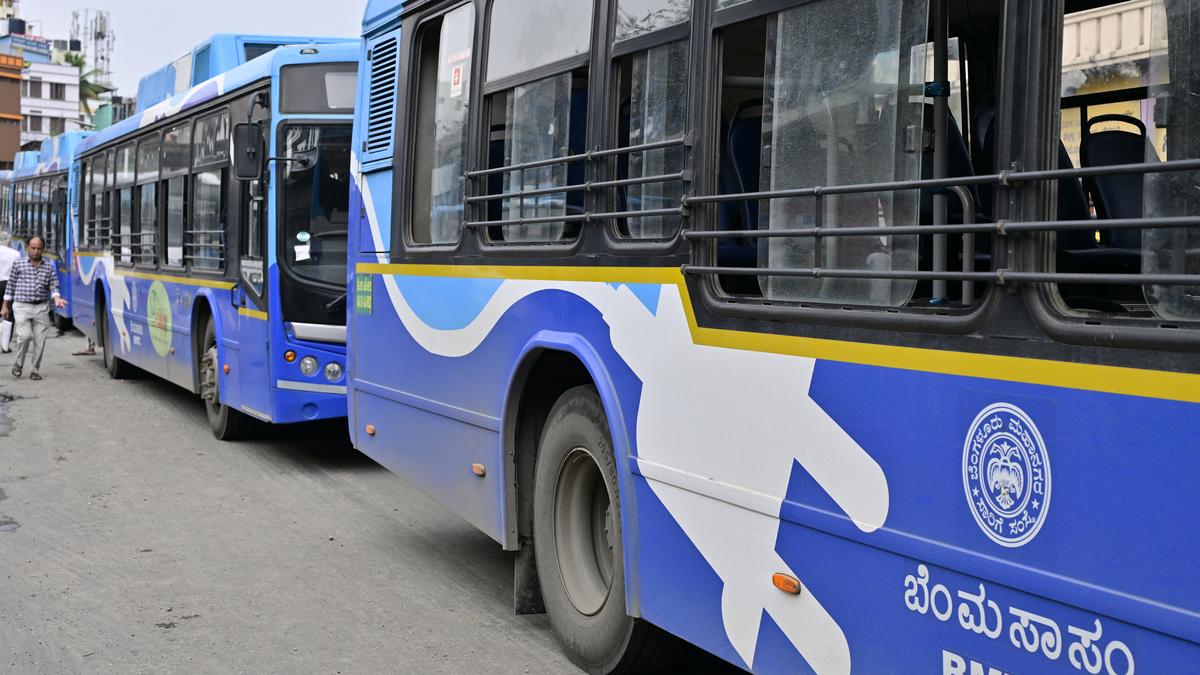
x: 93, y: 29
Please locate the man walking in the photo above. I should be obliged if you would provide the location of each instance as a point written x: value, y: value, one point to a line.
x: 32, y: 286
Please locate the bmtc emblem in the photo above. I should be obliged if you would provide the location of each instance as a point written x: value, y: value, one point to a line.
x: 1006, y: 475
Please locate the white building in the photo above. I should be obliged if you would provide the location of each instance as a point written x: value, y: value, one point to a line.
x: 49, y: 101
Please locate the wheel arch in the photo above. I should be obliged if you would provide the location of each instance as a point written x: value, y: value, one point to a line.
x: 202, y: 311
x: 550, y: 363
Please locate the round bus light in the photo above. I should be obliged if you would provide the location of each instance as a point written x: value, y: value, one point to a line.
x: 308, y: 366
x: 289, y: 356
x: 333, y: 372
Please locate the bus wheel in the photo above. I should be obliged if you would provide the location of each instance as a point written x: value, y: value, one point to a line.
x: 117, y: 369
x: 226, y: 424
x: 578, y: 546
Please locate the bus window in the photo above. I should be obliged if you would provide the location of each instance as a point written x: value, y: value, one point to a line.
x: 176, y: 208
x: 527, y: 34
x: 210, y: 217
x: 123, y: 234
x: 443, y: 90
x: 147, y: 195
x: 652, y: 96
x: 177, y: 143
x: 1130, y: 105
x: 315, y: 210
x: 638, y: 17
x: 537, y: 120
x: 208, y: 220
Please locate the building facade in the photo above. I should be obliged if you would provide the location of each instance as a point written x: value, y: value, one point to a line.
x: 11, y: 90
x: 50, y: 101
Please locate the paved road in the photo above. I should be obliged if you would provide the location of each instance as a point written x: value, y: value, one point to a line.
x: 131, y: 541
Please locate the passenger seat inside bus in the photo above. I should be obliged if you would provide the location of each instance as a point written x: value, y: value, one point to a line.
x: 740, y: 170
x: 1117, y: 196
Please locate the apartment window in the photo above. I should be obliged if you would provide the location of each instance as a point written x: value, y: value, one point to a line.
x: 57, y: 125
x: 33, y: 123
x: 33, y: 88
x: 58, y: 91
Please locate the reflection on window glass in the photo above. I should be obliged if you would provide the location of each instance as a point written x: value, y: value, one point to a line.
x: 321, y: 89
x: 538, y: 124
x: 209, y: 220
x: 316, y: 199
x: 124, y: 166
x: 125, y: 224
x: 826, y: 107
x: 442, y: 105
x: 175, y: 215
x: 1172, y: 117
x: 211, y: 140
x: 147, y: 223
x: 636, y: 17
x: 526, y: 34
x: 147, y: 160
x: 657, y: 112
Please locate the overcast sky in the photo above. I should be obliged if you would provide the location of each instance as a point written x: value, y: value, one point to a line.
x: 150, y: 34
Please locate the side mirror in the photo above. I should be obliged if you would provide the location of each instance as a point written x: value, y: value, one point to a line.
x: 247, y: 151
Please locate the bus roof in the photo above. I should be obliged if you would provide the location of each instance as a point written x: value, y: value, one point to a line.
x: 264, y: 67
x: 379, y: 12
x: 217, y: 54
x: 55, y: 156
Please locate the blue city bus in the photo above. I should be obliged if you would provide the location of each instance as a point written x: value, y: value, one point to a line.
x: 231, y: 288
x: 829, y: 336
x: 42, y: 186
x: 217, y: 53
x: 23, y: 161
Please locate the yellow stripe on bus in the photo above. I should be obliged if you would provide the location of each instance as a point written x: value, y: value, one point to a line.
x: 184, y: 281
x: 253, y: 313
x: 1088, y: 377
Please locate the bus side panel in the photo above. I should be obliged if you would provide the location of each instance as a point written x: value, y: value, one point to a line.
x: 83, y: 294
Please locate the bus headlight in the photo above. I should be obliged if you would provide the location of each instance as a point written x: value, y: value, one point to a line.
x: 333, y: 372
x: 308, y: 366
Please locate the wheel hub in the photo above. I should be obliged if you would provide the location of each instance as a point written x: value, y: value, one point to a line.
x: 585, y: 532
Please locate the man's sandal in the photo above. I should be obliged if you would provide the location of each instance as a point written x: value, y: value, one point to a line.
x: 35, y: 377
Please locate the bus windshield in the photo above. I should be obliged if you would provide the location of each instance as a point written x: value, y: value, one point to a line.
x: 316, y: 201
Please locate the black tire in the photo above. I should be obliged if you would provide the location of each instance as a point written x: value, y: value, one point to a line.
x: 225, y: 423
x: 578, y: 546
x: 117, y: 369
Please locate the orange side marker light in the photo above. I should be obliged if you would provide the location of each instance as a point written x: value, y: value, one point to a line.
x: 289, y: 356
x: 370, y: 429
x: 478, y: 470
x: 786, y: 583
x: 226, y: 369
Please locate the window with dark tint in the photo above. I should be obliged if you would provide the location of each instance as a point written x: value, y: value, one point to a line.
x: 316, y: 195
x: 444, y: 88
x: 257, y: 49
x: 176, y: 143
x: 526, y: 34
x: 322, y: 89
x: 201, y: 65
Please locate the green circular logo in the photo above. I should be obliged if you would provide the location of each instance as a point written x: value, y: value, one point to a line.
x: 158, y: 316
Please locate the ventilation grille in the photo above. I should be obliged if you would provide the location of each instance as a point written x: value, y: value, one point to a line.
x: 73, y: 196
x: 381, y: 107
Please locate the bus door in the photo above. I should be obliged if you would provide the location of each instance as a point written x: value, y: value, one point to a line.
x: 253, y: 372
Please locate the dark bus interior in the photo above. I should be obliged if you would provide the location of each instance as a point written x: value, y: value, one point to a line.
x: 1098, y: 130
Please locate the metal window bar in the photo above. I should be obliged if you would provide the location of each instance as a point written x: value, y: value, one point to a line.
x: 590, y: 186
x: 957, y: 186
